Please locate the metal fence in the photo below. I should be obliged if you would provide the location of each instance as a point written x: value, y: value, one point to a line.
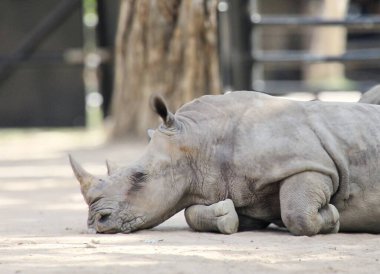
x: 243, y: 59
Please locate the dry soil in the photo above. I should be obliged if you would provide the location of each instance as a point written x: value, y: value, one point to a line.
x: 43, y: 223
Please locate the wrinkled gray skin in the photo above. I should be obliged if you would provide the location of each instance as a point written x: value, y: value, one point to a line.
x: 244, y: 160
x: 372, y: 96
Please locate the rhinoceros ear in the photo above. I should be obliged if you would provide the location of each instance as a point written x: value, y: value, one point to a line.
x: 85, y: 179
x: 111, y: 167
x: 159, y: 106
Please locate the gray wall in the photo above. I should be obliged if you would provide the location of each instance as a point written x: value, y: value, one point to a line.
x: 44, y: 90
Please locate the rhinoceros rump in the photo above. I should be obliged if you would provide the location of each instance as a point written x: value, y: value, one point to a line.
x: 244, y: 160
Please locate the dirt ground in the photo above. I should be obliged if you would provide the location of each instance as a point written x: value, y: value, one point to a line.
x: 43, y: 223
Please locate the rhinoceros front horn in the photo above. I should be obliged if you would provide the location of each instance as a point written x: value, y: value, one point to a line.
x: 85, y: 179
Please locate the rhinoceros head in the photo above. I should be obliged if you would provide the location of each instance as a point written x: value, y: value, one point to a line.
x: 143, y: 194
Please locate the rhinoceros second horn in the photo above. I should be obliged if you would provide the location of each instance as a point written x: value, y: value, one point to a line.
x: 111, y: 167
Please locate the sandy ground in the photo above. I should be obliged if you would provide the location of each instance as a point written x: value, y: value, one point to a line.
x: 43, y: 224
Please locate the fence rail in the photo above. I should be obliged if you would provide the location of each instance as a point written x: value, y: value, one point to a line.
x: 299, y: 57
x: 368, y: 22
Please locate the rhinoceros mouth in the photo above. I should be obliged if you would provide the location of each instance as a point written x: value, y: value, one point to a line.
x: 132, y: 225
x: 126, y: 227
x: 109, y: 231
x: 116, y: 226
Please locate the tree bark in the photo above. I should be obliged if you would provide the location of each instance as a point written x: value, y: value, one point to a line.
x: 327, y: 41
x: 167, y: 47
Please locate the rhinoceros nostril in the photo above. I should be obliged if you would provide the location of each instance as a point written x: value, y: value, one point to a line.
x: 103, y: 217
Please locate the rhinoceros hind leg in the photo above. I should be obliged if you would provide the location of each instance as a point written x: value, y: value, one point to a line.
x: 305, y: 208
x: 219, y: 217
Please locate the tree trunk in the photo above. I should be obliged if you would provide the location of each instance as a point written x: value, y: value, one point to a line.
x: 327, y: 41
x: 167, y: 47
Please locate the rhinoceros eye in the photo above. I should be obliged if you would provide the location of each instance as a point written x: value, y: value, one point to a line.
x: 137, y: 179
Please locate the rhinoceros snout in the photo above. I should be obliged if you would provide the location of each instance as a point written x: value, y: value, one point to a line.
x: 108, y: 222
x: 104, y: 223
x: 103, y: 218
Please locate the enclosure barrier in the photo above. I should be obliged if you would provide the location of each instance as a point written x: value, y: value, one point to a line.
x: 242, y: 58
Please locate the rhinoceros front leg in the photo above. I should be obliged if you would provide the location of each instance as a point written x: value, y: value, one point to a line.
x: 305, y: 208
x: 219, y: 217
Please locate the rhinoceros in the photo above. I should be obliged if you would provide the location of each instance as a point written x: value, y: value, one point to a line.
x: 372, y: 96
x: 244, y: 160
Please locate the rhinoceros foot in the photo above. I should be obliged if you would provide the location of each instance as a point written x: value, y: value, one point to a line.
x: 219, y: 217
x: 329, y: 212
x: 227, y: 218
